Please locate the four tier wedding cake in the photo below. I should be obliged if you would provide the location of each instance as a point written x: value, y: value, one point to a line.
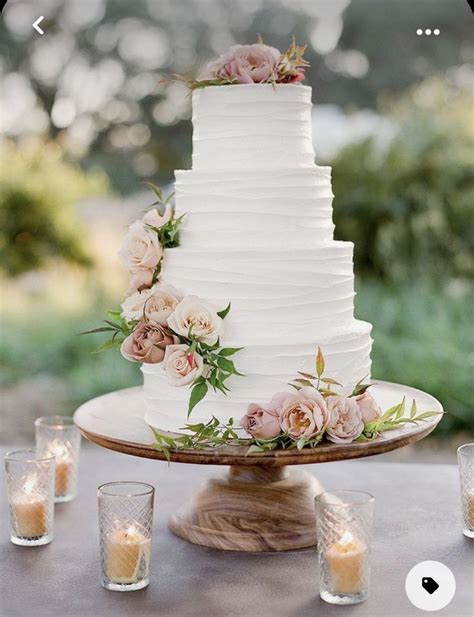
x: 258, y: 233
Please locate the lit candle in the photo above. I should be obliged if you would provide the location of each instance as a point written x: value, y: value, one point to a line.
x: 127, y: 555
x: 29, y: 510
x: 346, y: 560
x: 470, y: 510
x: 63, y: 466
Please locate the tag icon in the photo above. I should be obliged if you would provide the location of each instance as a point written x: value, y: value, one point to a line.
x: 429, y: 584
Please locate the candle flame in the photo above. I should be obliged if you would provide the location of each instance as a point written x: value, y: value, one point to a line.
x: 30, y: 484
x: 60, y: 451
x: 346, y: 538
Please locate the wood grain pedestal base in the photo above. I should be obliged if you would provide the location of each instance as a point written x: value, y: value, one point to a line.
x: 260, y: 508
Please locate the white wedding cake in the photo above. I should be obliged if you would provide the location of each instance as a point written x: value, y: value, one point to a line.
x: 258, y: 233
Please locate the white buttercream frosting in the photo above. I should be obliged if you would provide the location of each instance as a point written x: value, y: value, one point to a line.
x: 258, y: 232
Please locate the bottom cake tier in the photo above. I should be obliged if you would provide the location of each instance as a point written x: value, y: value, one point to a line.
x: 267, y: 370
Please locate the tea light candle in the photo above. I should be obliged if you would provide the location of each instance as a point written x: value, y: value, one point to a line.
x: 126, y: 551
x: 63, y: 466
x: 346, y: 559
x: 470, y: 510
x: 29, y: 510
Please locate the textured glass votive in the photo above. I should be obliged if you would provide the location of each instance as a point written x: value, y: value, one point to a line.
x: 30, y: 488
x: 344, y: 523
x: 466, y: 478
x: 125, y: 526
x: 58, y: 436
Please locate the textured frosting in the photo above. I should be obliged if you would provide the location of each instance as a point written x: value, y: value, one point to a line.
x: 233, y: 126
x: 258, y: 232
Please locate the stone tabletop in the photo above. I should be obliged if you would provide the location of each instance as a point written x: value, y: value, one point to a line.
x: 416, y: 519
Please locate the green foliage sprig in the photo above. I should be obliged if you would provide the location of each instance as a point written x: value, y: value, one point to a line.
x: 213, y: 434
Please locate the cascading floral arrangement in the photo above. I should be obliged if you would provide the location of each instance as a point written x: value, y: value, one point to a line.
x: 157, y: 323
x: 300, y: 419
x: 252, y: 64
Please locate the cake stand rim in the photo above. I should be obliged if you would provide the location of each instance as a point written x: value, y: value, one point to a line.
x: 234, y: 455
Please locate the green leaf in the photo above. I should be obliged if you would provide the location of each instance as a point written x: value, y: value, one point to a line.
x: 156, y: 189
x: 223, y: 314
x: 95, y: 330
x: 304, y: 382
x: 198, y: 392
x: 413, y: 409
x: 114, y: 315
x: 300, y: 444
x: 112, y: 344
x: 328, y: 380
x: 319, y: 363
x: 226, y: 365
x: 255, y: 448
x: 428, y: 414
x: 229, y: 351
x: 307, y: 375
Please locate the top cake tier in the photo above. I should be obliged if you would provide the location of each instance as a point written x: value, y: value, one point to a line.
x: 252, y: 126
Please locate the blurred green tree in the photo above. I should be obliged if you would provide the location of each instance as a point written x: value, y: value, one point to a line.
x: 38, y: 191
x: 409, y: 206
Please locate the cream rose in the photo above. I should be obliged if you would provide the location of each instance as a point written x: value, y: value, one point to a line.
x: 139, y: 280
x: 345, y: 419
x: 369, y: 407
x: 161, y: 302
x: 133, y: 307
x: 155, y: 304
x: 260, y: 422
x: 181, y: 367
x: 155, y: 219
x: 147, y: 343
x: 199, y: 316
x: 304, y: 414
x: 141, y: 249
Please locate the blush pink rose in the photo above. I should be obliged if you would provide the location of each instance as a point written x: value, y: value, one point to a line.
x: 245, y: 64
x: 304, y: 414
x: 260, y: 422
x: 140, y: 279
x: 141, y: 249
x: 369, y: 407
x: 147, y: 343
x: 345, y: 419
x: 181, y: 367
x: 155, y: 219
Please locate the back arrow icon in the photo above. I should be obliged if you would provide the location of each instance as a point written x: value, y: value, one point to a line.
x: 35, y: 25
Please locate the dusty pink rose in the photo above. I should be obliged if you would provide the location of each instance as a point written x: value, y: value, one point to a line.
x: 304, y: 414
x: 260, y: 422
x: 369, y: 407
x: 244, y: 64
x: 181, y: 367
x: 147, y: 343
x: 345, y: 419
x: 155, y: 219
x: 141, y: 249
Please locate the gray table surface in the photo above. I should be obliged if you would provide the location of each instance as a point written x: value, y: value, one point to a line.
x: 416, y: 519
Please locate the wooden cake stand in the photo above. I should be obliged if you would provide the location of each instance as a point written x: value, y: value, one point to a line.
x: 260, y: 505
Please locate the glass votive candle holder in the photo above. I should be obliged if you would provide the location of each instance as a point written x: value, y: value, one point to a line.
x: 125, y: 529
x: 30, y: 488
x: 466, y: 479
x: 344, y: 526
x: 59, y: 436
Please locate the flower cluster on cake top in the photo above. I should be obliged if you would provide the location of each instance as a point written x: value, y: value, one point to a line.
x: 253, y: 64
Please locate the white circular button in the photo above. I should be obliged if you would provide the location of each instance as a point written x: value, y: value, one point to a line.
x: 430, y: 585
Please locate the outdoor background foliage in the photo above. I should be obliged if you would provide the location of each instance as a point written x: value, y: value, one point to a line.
x: 87, y: 119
